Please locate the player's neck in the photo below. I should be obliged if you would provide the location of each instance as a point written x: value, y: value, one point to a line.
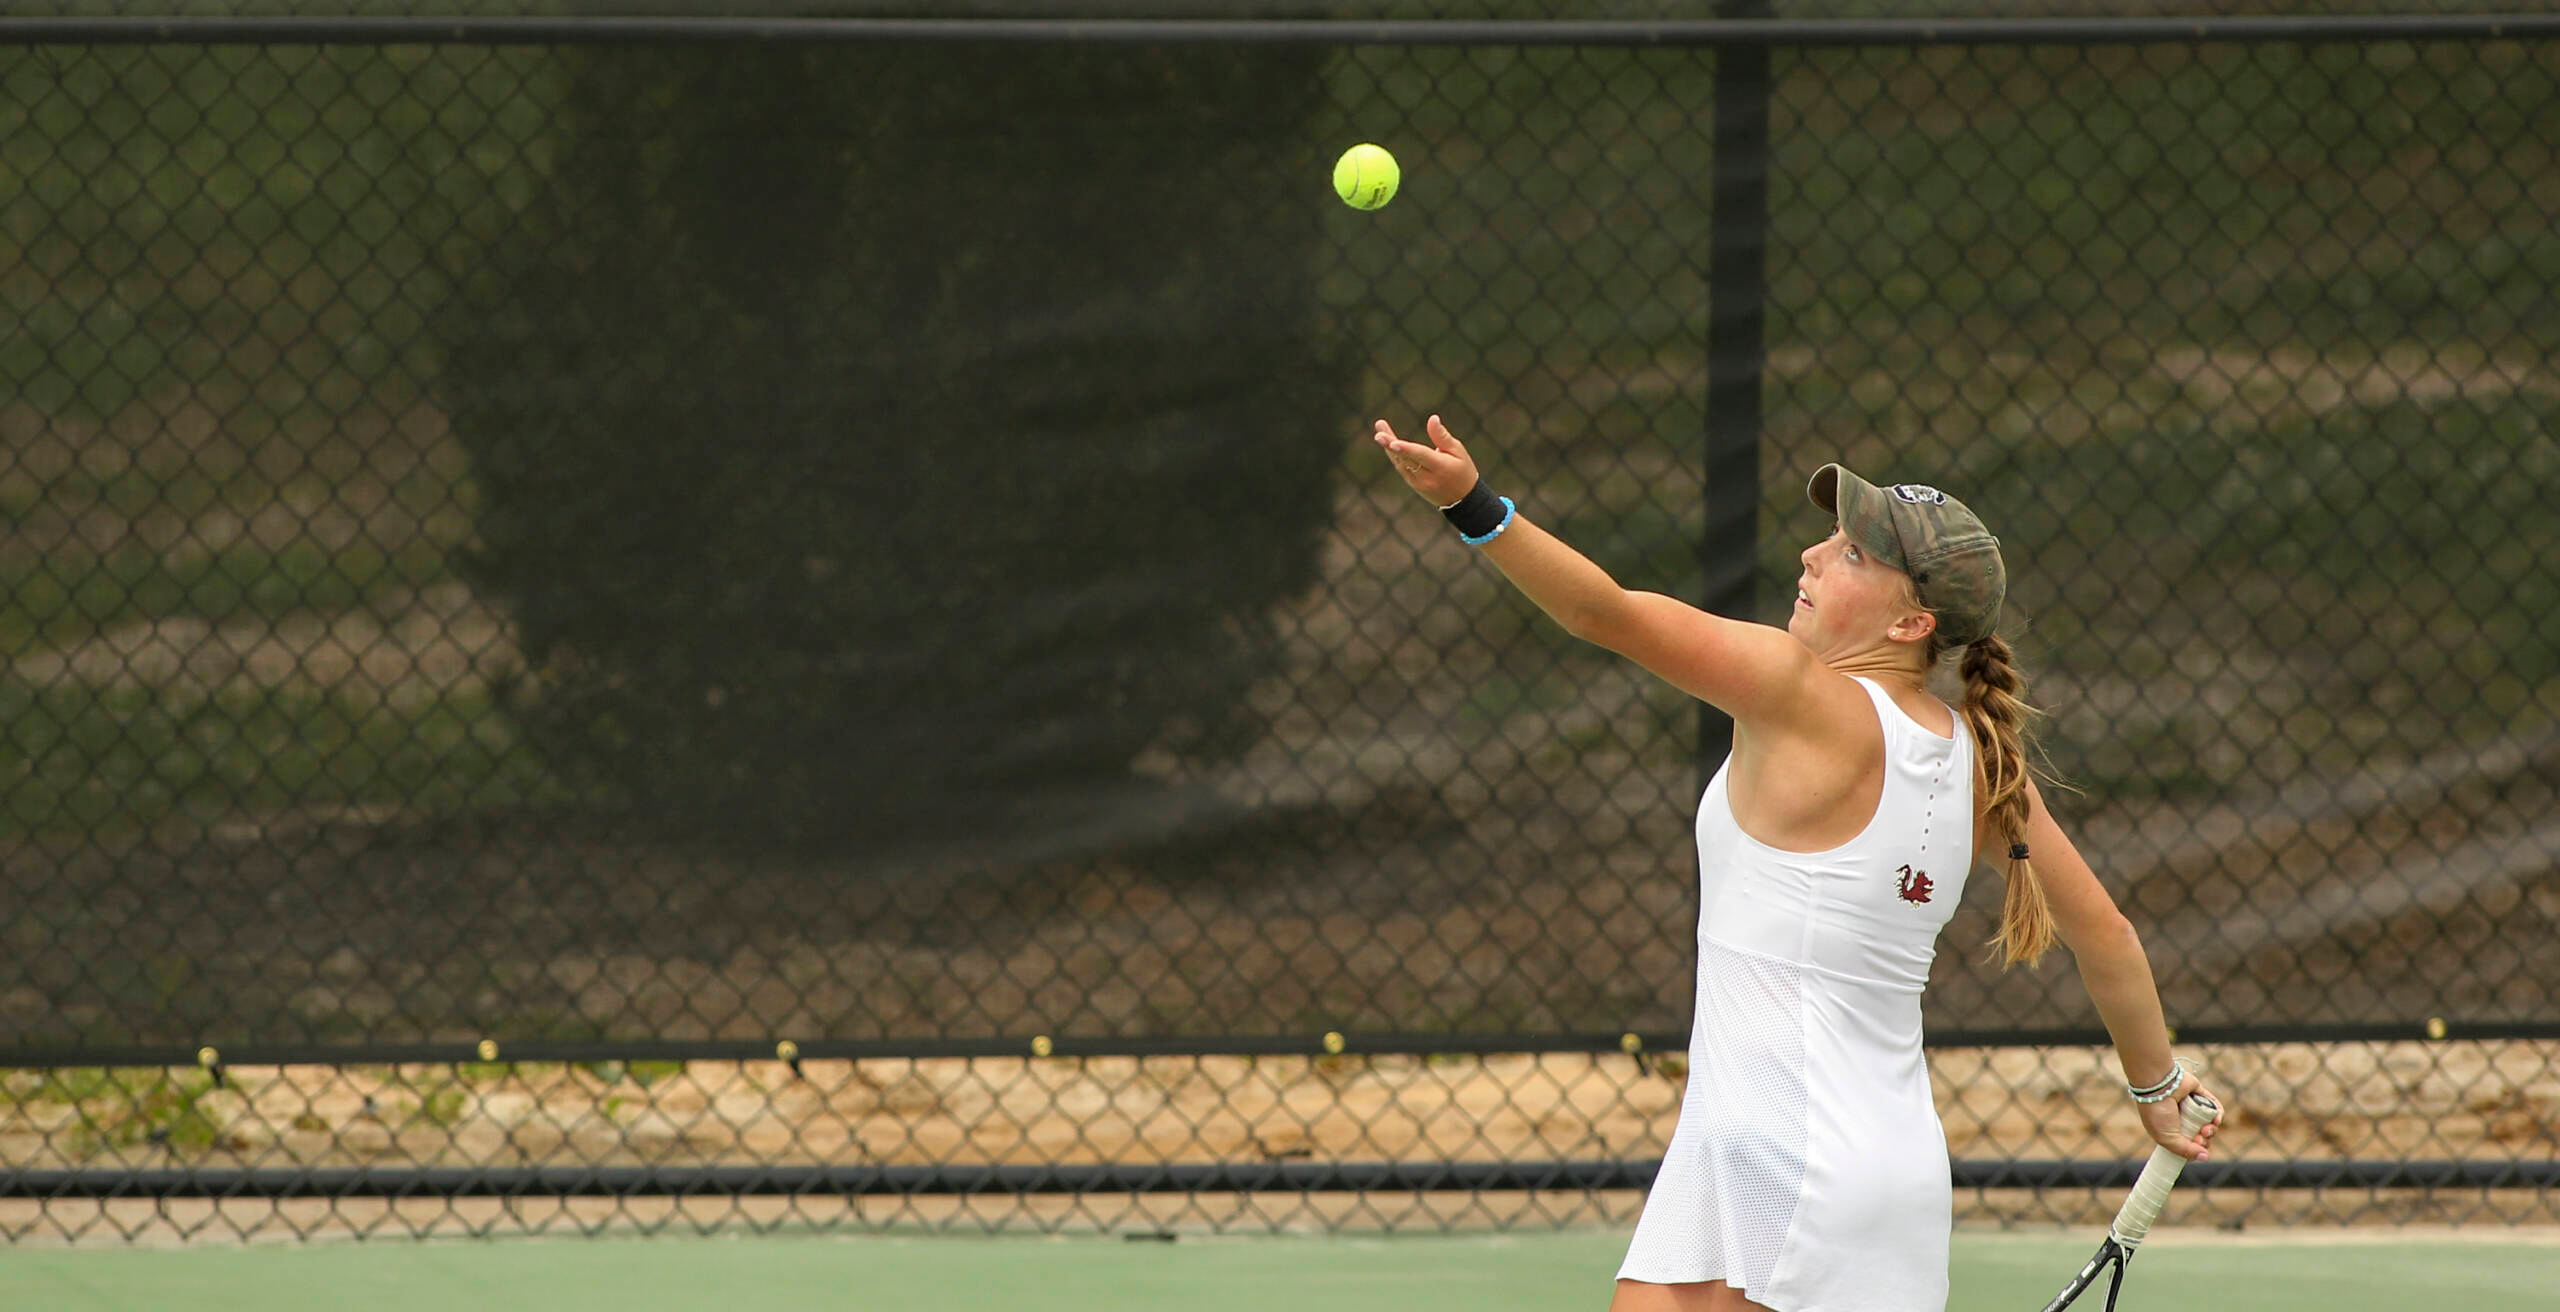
x: 1887, y: 666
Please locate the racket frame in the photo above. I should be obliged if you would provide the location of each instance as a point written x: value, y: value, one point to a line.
x: 2141, y: 1207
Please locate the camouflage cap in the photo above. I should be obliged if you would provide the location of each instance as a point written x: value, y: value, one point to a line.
x: 1953, y: 561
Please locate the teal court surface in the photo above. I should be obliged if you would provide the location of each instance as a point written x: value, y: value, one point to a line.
x: 2482, y: 1270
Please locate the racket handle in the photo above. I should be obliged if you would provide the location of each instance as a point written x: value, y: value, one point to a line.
x: 2151, y: 1192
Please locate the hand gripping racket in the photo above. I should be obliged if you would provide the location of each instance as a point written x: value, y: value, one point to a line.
x: 2133, y: 1220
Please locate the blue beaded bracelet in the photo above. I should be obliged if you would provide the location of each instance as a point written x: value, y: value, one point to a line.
x: 1494, y: 532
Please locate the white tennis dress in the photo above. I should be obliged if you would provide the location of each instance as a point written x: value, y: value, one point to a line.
x: 1809, y: 1168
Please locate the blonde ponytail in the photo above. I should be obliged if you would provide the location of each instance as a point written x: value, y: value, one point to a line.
x: 1996, y: 709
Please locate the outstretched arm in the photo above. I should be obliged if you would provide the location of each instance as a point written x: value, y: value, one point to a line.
x: 1564, y: 583
x: 2115, y: 970
x: 1750, y: 671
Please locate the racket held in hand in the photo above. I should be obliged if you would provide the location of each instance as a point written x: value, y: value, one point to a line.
x: 2141, y: 1208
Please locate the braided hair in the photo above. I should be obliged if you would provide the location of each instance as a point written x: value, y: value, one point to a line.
x: 1996, y: 709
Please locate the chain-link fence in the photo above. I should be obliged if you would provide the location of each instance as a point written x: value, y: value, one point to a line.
x: 790, y: 626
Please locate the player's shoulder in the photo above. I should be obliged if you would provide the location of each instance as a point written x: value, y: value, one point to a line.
x: 1831, y: 705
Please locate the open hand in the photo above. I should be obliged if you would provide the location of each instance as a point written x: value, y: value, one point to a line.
x: 1441, y: 472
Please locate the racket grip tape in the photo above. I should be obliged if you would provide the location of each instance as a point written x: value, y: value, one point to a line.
x: 2151, y: 1192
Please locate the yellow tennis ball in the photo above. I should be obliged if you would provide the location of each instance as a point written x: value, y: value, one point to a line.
x: 1366, y: 176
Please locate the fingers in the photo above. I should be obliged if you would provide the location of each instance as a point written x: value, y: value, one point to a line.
x: 1410, y: 458
x: 2199, y: 1147
x: 1442, y: 439
x: 2194, y: 1150
x: 1439, y: 469
x: 2165, y: 1122
x: 1399, y: 447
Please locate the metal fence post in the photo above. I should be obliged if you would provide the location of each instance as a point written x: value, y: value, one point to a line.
x: 1736, y: 292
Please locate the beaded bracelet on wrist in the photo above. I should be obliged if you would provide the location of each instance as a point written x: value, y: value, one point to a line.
x: 1490, y: 534
x: 2161, y: 1091
x: 1479, y: 516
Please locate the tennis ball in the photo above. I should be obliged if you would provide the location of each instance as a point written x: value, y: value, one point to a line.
x: 1366, y: 176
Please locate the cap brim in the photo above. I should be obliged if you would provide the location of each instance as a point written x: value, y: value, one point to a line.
x: 1860, y: 506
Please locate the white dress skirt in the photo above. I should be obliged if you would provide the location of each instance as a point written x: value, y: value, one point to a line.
x: 1809, y: 1168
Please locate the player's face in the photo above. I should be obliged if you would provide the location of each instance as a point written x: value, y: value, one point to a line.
x: 1846, y: 599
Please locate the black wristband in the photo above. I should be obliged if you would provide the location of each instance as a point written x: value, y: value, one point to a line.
x: 1477, y: 513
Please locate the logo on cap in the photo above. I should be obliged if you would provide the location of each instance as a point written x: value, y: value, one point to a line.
x: 1920, y: 494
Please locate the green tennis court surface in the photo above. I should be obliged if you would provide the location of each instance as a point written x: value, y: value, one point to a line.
x: 2497, y: 1272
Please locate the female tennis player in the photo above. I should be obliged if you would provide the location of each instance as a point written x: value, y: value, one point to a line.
x: 1809, y: 1170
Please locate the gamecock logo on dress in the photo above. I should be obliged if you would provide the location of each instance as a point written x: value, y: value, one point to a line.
x: 1913, y: 886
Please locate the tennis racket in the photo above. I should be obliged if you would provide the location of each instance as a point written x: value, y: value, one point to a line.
x: 2141, y: 1208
